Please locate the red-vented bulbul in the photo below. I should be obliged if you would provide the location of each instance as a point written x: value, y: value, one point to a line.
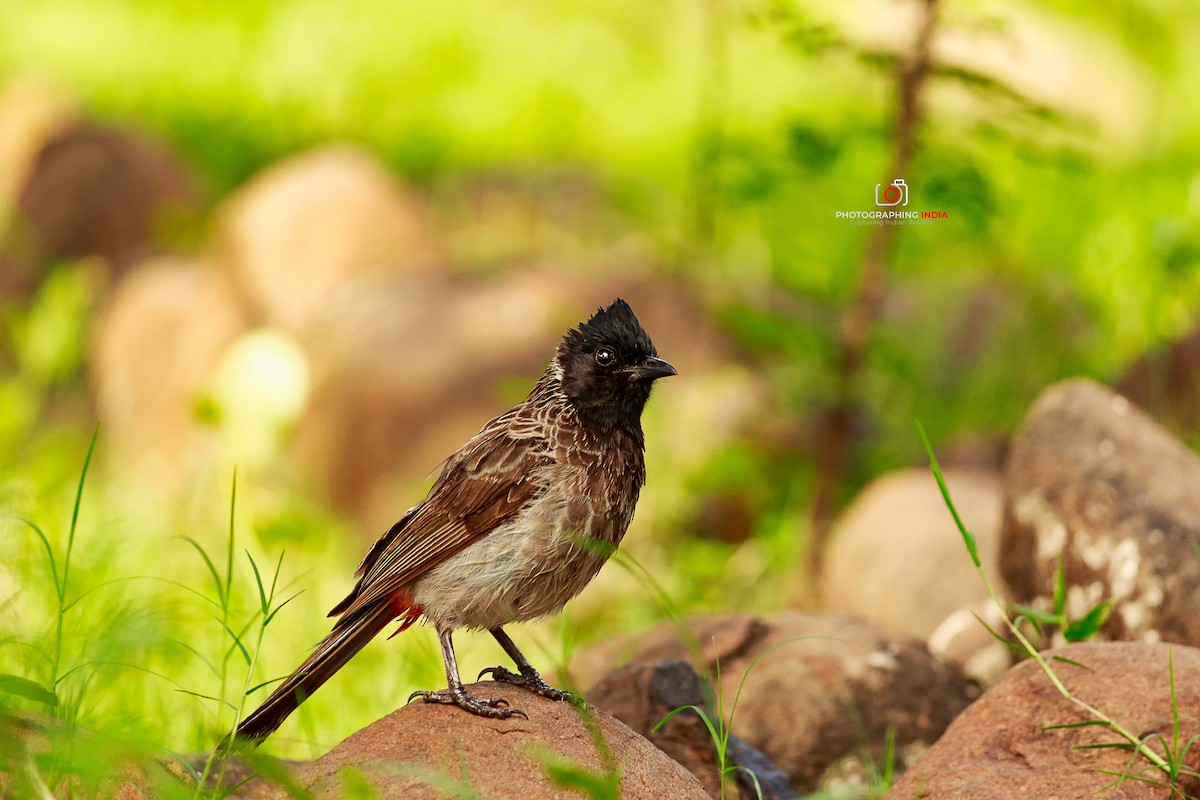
x: 520, y: 519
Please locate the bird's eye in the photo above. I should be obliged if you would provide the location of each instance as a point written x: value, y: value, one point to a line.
x: 605, y: 357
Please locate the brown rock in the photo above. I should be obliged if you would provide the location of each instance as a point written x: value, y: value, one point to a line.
x: 95, y: 191
x: 404, y: 370
x: 431, y: 751
x: 1166, y: 383
x: 831, y: 688
x: 896, y: 558
x: 1093, y: 481
x: 306, y: 228
x: 643, y: 693
x: 154, y: 348
x: 1000, y: 747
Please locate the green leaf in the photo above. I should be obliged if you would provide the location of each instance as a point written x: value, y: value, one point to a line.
x: 262, y: 591
x: 967, y: 537
x: 1016, y: 648
x: 237, y: 641
x: 59, y: 589
x: 207, y: 697
x: 258, y: 686
x: 1091, y: 723
x: 278, y: 608
x: 1034, y: 615
x: 1086, y: 627
x: 212, y: 568
x: 30, y: 690
x: 1072, y: 662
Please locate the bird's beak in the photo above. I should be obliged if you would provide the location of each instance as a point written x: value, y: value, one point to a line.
x: 652, y: 369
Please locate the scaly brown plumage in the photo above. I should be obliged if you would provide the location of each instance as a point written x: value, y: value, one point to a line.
x: 520, y: 519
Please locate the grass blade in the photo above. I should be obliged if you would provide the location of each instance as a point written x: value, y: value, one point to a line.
x: 967, y: 537
x: 208, y: 562
x: 237, y: 641
x: 58, y: 588
x: 262, y: 592
x: 30, y: 690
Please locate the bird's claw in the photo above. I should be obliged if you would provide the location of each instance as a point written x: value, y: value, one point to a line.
x: 491, y: 707
x: 533, y: 683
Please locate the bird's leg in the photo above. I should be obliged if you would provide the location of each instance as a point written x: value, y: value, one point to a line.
x: 529, y: 677
x: 456, y: 694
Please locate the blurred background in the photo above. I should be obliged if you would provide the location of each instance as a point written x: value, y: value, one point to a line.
x: 320, y: 244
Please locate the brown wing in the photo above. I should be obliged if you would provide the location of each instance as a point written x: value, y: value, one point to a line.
x: 482, y: 485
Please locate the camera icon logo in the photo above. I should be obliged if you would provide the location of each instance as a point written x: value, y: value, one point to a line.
x: 894, y: 194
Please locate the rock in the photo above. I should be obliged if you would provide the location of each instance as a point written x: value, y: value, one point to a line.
x: 155, y: 346
x: 1091, y: 480
x: 405, y: 369
x: 95, y: 191
x: 308, y: 227
x: 1166, y: 383
x: 827, y: 687
x: 30, y: 115
x: 404, y: 372
x: 434, y: 751
x: 963, y: 640
x: 1000, y: 747
x: 643, y: 693
x: 896, y: 558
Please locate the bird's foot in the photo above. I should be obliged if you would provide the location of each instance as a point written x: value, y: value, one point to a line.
x: 491, y: 707
x: 531, y: 681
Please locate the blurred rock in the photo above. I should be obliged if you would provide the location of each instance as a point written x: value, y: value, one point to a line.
x: 90, y: 191
x: 30, y: 115
x: 897, y: 559
x: 1093, y: 481
x: 827, y: 688
x: 1001, y: 748
x: 405, y: 370
x: 308, y: 227
x: 153, y: 351
x: 433, y: 751
x: 505, y: 217
x: 1166, y: 383
x: 644, y: 692
x: 963, y: 640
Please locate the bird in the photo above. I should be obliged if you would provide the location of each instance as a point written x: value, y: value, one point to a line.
x: 518, y: 522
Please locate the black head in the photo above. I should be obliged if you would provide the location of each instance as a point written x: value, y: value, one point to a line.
x: 608, y: 365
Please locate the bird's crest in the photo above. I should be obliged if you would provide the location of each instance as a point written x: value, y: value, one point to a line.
x: 613, y: 325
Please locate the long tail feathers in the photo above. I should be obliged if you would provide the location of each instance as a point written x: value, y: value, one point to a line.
x: 347, y: 638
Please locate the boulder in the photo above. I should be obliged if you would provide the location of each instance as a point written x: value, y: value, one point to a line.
x: 1094, y: 482
x: 896, y: 558
x: 1006, y: 746
x: 407, y: 368
x: 643, y: 693
x: 95, y: 191
x: 154, y: 348
x: 30, y: 115
x: 434, y: 751
x: 312, y: 225
x: 825, y: 688
x: 1166, y: 382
